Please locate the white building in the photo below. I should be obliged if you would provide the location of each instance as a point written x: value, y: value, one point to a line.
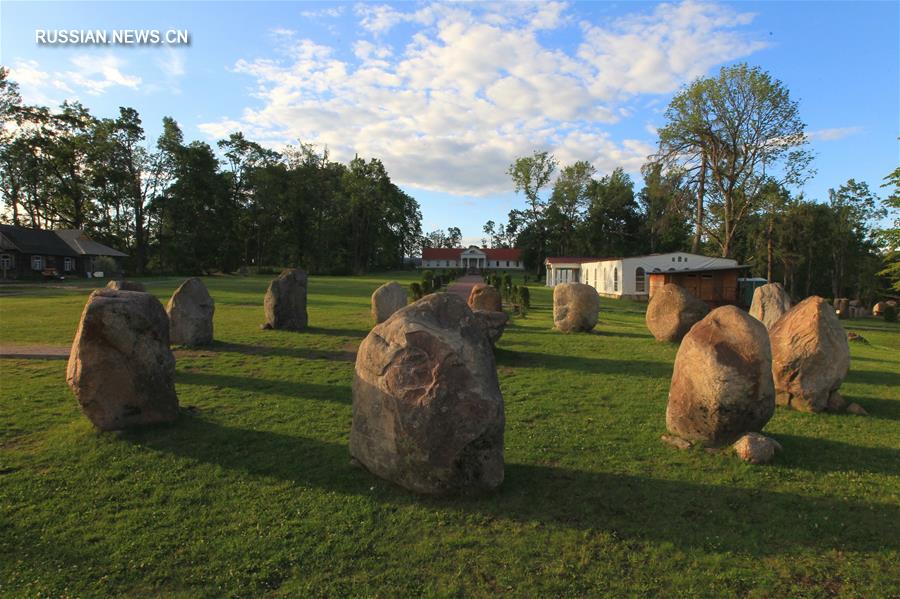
x: 626, y: 277
x: 473, y: 258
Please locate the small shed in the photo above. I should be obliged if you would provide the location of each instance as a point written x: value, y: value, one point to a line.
x: 717, y: 286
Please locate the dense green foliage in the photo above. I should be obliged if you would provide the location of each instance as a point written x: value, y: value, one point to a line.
x: 251, y: 492
x: 178, y: 207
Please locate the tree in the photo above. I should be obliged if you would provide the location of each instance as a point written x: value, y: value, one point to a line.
x: 730, y: 134
x: 854, y: 206
x: 613, y: 221
x: 665, y: 199
x: 567, y: 205
x: 530, y: 174
x: 890, y: 237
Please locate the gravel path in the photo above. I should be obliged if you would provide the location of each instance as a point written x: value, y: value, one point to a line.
x: 463, y: 285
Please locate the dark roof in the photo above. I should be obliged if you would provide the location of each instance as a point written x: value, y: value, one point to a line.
x: 85, y: 246
x: 678, y: 271
x: 36, y: 241
x: 572, y: 259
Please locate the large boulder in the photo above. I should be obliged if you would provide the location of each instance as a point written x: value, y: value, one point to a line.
x: 126, y: 286
x: 722, y: 382
x: 427, y: 409
x: 120, y: 367
x: 190, y: 311
x: 576, y: 307
x: 493, y: 323
x: 672, y: 312
x: 878, y: 309
x: 485, y: 297
x: 810, y: 356
x: 386, y: 300
x: 770, y: 302
x: 285, y: 302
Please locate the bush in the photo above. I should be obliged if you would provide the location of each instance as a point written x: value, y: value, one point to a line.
x: 525, y: 296
x: 416, y: 290
x: 890, y: 313
x: 106, y: 265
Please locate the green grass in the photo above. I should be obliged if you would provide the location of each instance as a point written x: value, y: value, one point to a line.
x: 251, y: 492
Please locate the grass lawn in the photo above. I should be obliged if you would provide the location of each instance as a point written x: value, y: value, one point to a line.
x: 251, y: 492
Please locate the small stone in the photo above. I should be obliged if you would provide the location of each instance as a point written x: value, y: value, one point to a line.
x: 856, y: 337
x: 755, y: 448
x: 857, y: 409
x: 493, y: 323
x: 676, y: 442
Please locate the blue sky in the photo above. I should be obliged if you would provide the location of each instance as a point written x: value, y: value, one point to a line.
x: 447, y: 94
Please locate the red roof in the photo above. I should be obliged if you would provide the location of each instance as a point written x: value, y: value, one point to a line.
x: 503, y: 253
x: 454, y: 253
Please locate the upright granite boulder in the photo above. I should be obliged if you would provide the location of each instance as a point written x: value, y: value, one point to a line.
x: 810, y: 357
x: 190, y: 311
x: 386, y: 300
x: 493, y: 323
x: 722, y: 382
x: 576, y: 307
x: 427, y: 409
x: 672, y: 312
x: 285, y: 302
x: 485, y: 297
x: 842, y: 307
x: 126, y: 286
x: 120, y: 368
x: 770, y: 302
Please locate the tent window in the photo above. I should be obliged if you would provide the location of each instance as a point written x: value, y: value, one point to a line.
x: 639, y: 280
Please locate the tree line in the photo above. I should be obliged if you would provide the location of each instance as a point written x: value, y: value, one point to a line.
x: 720, y: 183
x: 181, y: 207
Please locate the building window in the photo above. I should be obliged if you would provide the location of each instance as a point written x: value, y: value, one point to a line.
x: 639, y: 280
x: 6, y: 262
x: 673, y: 258
x: 615, y: 279
x: 68, y: 264
x: 37, y: 263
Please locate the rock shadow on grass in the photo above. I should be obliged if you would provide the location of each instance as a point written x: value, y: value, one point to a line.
x: 687, y: 515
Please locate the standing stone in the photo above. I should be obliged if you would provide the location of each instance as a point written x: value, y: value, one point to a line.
x: 126, y: 286
x: 576, y: 307
x: 485, y: 297
x: 722, y: 382
x: 810, y: 356
x: 386, y: 300
x: 427, y: 409
x: 842, y: 305
x: 770, y: 302
x: 878, y: 309
x: 672, y: 312
x: 285, y: 303
x: 190, y: 311
x: 120, y: 368
x: 493, y: 323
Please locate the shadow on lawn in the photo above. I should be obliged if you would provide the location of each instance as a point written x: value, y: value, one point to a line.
x: 506, y: 357
x: 685, y: 514
x: 296, y: 389
x: 824, y: 455
x: 304, y: 353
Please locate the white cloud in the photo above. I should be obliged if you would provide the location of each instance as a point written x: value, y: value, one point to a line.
x: 475, y: 87
x: 91, y: 74
x: 332, y: 12
x: 172, y: 62
x: 833, y: 134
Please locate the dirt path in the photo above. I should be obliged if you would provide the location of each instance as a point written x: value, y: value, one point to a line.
x: 35, y: 352
x: 463, y: 285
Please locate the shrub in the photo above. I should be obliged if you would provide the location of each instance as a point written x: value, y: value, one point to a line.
x: 416, y: 290
x: 525, y: 296
x: 890, y: 313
